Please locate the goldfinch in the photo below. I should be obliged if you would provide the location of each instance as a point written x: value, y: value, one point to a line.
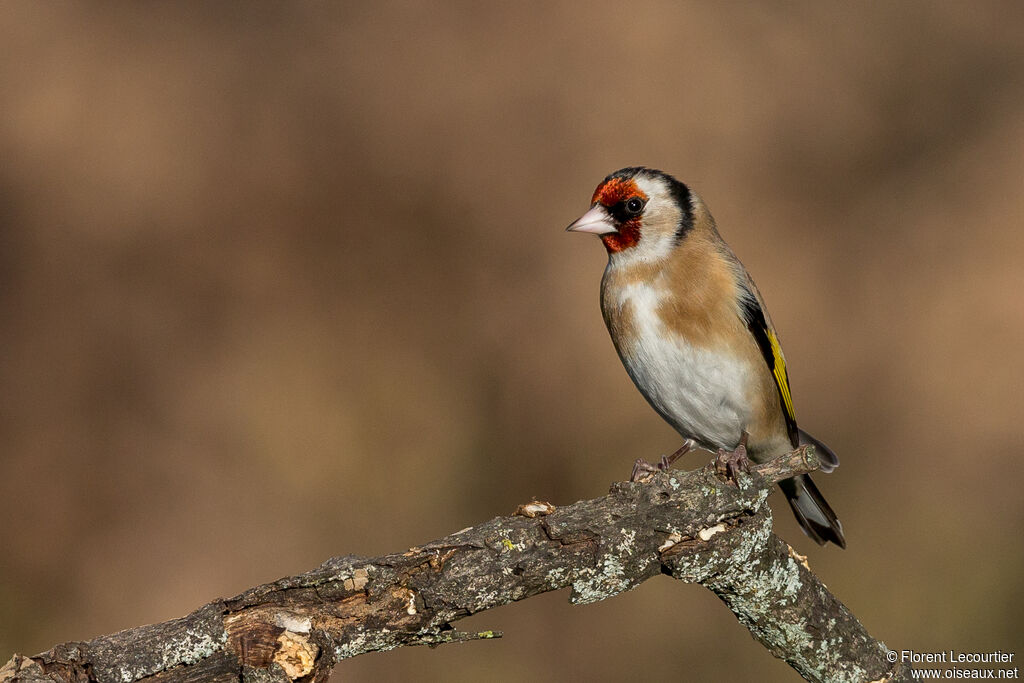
x: 693, y: 333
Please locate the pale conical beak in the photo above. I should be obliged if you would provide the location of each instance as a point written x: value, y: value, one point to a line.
x: 596, y: 221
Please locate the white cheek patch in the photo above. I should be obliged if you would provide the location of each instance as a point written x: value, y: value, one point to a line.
x: 661, y: 209
x: 650, y: 249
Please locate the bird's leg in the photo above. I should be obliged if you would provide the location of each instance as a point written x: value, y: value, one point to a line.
x: 730, y: 463
x: 641, y: 467
x: 667, y: 460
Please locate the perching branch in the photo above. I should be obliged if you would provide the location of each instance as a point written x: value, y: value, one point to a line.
x: 693, y: 526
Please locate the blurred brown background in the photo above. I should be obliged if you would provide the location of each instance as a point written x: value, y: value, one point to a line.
x: 285, y: 281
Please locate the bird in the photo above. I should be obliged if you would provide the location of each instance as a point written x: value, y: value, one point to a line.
x: 693, y: 333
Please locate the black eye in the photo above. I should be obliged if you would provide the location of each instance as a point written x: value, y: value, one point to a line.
x: 634, y: 206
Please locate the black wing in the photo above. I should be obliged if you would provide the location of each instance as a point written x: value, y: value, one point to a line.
x: 761, y: 327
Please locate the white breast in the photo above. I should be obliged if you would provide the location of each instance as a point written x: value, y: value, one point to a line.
x: 702, y: 394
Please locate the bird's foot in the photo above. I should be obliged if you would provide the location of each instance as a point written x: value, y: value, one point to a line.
x: 642, y: 470
x: 728, y: 464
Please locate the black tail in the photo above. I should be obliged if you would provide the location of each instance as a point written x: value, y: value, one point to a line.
x: 813, y: 513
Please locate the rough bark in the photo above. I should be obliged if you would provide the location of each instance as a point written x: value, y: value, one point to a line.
x: 694, y: 526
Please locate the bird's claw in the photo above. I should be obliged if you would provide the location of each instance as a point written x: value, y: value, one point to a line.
x: 642, y: 470
x: 729, y: 464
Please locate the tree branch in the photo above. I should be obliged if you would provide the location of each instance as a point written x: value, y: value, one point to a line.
x: 691, y: 525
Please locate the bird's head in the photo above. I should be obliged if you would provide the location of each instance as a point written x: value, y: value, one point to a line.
x: 639, y: 211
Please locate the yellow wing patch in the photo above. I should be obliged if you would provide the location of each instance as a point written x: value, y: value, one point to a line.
x: 781, y: 378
